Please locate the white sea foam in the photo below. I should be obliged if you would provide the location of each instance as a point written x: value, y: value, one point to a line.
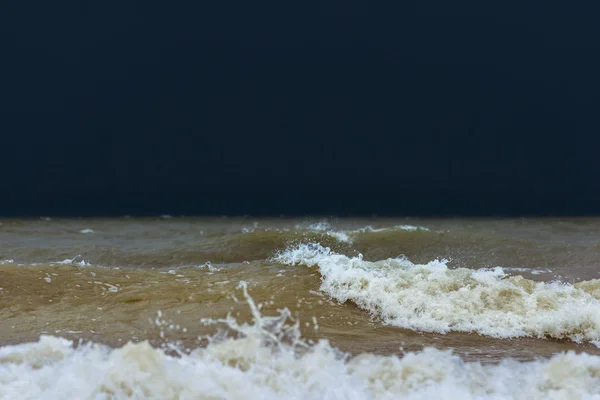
x: 343, y: 236
x: 87, y: 230
x: 72, y: 261
x: 316, y: 226
x: 252, y: 229
x: 68, y: 261
x: 435, y: 298
x: 410, y: 228
x: 532, y: 271
x: 211, y: 268
x: 348, y: 236
x: 269, y: 360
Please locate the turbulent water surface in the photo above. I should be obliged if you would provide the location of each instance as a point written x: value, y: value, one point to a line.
x: 182, y: 308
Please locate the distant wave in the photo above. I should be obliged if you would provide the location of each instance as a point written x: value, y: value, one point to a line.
x: 75, y: 261
x: 268, y: 359
x: 347, y: 236
x: 435, y: 298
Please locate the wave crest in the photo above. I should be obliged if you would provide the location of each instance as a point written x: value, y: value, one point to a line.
x: 434, y: 298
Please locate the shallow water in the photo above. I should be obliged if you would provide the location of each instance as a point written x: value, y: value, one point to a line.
x: 369, y: 286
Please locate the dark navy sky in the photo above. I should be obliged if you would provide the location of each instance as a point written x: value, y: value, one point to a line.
x: 337, y: 107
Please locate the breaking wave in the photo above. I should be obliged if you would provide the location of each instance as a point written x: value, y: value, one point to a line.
x: 268, y: 359
x: 434, y: 298
x: 348, y: 236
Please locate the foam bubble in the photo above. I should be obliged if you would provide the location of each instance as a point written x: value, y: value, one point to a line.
x: 435, y: 298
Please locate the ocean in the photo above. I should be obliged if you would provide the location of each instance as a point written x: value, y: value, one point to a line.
x: 299, y: 308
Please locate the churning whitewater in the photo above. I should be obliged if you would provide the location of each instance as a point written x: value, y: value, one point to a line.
x: 434, y: 298
x: 268, y: 359
x: 237, y: 308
